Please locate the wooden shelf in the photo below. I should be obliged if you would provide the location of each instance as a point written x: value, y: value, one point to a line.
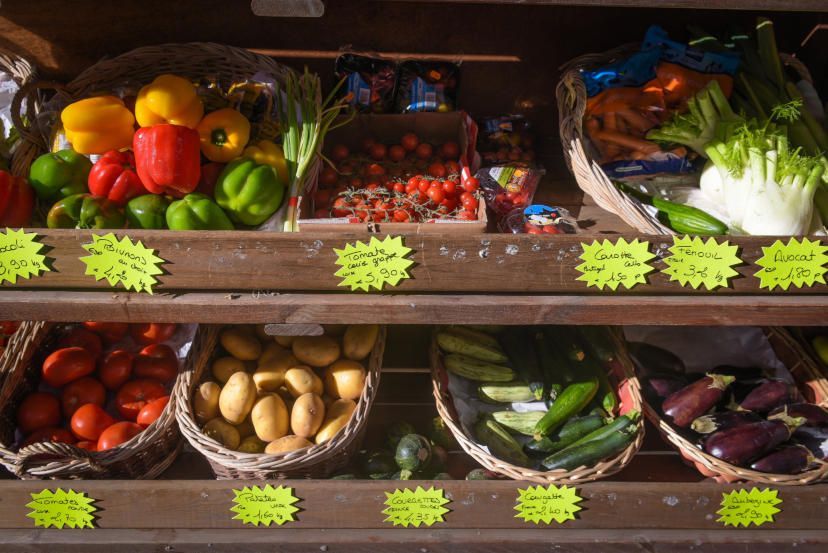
x: 745, y: 5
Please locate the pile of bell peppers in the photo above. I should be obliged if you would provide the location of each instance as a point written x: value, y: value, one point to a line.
x: 163, y: 164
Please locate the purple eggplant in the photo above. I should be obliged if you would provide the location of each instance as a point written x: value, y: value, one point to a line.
x: 707, y: 424
x: 769, y: 395
x: 814, y: 415
x: 652, y: 360
x: 696, y: 399
x: 815, y: 439
x: 741, y: 444
x: 791, y: 459
x: 662, y: 386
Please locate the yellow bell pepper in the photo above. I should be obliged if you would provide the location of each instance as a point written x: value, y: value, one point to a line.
x: 269, y: 153
x: 97, y: 125
x: 169, y: 99
x: 224, y: 134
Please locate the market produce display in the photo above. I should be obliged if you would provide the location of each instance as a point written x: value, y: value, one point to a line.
x: 100, y: 385
x: 273, y: 395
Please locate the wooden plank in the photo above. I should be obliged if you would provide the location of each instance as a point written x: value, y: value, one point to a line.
x: 443, y: 263
x: 271, y: 307
x: 749, y: 5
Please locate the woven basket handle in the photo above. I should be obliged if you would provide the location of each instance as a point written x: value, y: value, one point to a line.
x: 68, y: 456
x: 29, y: 93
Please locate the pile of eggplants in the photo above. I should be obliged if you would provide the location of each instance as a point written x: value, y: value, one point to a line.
x: 741, y: 415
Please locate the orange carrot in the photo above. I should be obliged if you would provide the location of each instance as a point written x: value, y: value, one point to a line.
x: 610, y: 121
x: 627, y: 141
x: 635, y: 120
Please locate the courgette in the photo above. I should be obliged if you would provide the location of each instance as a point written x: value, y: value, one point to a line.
x: 598, y: 341
x: 520, y: 423
x: 516, y: 391
x: 451, y: 341
x: 413, y: 452
x: 571, y: 401
x: 619, y: 423
x: 488, y: 329
x: 683, y: 219
x: 566, y: 340
x: 520, y: 349
x: 575, y: 429
x: 606, y: 393
x: 501, y: 444
x: 556, y: 373
x: 589, y: 453
x: 474, y: 369
x: 474, y: 335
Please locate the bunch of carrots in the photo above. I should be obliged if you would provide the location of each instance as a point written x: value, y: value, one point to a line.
x: 617, y: 119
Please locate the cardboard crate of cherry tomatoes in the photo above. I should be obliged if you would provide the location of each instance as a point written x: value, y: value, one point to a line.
x: 410, y: 173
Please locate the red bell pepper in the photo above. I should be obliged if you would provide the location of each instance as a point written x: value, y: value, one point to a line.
x: 113, y: 176
x: 16, y: 201
x: 167, y: 158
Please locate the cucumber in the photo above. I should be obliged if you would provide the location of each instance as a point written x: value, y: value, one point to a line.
x: 571, y: 401
x: 683, y: 219
x: 589, y: 453
x: 575, y: 429
x: 520, y: 423
x: 516, y: 391
x: 500, y: 443
x: 598, y: 341
x: 474, y: 369
x: 519, y: 346
x: 452, y: 342
x: 474, y: 335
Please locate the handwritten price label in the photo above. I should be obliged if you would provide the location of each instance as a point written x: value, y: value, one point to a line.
x: 19, y: 256
x: 793, y: 264
x: 538, y: 504
x: 612, y: 265
x: 698, y: 263
x: 264, y: 506
x: 745, y: 508
x: 415, y: 507
x: 132, y: 265
x: 373, y: 265
x: 58, y: 509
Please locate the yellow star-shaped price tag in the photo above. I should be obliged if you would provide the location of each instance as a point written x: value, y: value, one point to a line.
x: 372, y: 265
x: 743, y: 508
x: 265, y: 506
x: 408, y: 507
x: 19, y: 256
x: 538, y: 504
x: 132, y: 265
x: 793, y: 264
x: 699, y: 263
x: 59, y: 509
x: 615, y: 264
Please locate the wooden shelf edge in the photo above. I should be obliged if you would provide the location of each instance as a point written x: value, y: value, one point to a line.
x: 753, y: 5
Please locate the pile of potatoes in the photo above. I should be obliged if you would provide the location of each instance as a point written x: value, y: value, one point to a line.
x: 267, y: 394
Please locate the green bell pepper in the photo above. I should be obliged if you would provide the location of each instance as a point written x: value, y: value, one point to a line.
x: 58, y: 175
x: 250, y: 192
x: 147, y: 211
x: 197, y: 212
x: 85, y: 211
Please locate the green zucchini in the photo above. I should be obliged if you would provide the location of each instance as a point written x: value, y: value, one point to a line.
x: 566, y: 340
x: 480, y: 474
x: 474, y: 335
x: 556, y: 373
x: 619, y: 423
x: 606, y: 393
x: 589, y: 453
x: 474, y: 369
x: 571, y: 401
x: 686, y: 219
x: 452, y: 342
x: 598, y: 341
x: 520, y: 349
x: 501, y: 444
x: 520, y: 423
x: 441, y: 435
x: 516, y: 391
x: 574, y: 429
x: 488, y: 329
x: 413, y: 452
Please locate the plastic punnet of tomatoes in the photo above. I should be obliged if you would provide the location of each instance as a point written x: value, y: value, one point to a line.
x: 508, y: 187
x: 539, y: 219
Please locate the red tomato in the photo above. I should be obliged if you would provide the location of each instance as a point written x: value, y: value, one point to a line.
x: 151, y: 411
x: 402, y: 216
x: 156, y: 361
x: 38, y: 410
x: 89, y: 421
x: 328, y: 177
x: 437, y: 170
x: 396, y: 153
x: 110, y: 332
x: 322, y: 198
x: 152, y: 333
x: 471, y: 184
x: 80, y: 392
x: 67, y: 364
x: 423, y: 185
x: 355, y: 182
x: 117, y: 434
x: 436, y: 194
x: 88, y: 445
x: 80, y: 337
x: 452, y: 167
x: 467, y: 215
x: 467, y: 196
x: 367, y: 144
x: 410, y: 142
x: 418, y: 197
x: 551, y: 229
x: 340, y: 152
x: 534, y: 230
x: 378, y: 152
x: 341, y: 208
x: 134, y: 395
x: 51, y: 434
x: 450, y: 150
x: 115, y: 369
x: 449, y: 187
x: 469, y: 204
x: 450, y: 204
x: 424, y: 151
x: 375, y: 169
x: 399, y: 187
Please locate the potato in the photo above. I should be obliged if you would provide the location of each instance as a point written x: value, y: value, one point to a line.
x: 307, y: 415
x: 224, y: 433
x: 302, y: 380
x: 316, y: 351
x: 284, y: 341
x: 328, y: 400
x: 287, y: 443
x: 345, y: 379
x: 339, y: 413
x: 334, y: 330
x: 237, y: 398
x: 246, y: 428
x: 270, y: 376
x: 224, y: 367
x: 252, y: 444
x: 270, y: 417
x: 273, y: 351
x: 359, y: 340
x: 206, y: 401
x: 240, y: 344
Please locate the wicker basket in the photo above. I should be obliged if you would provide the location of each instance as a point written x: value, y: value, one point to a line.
x: 318, y: 461
x: 23, y: 73
x: 814, y: 387
x: 621, y: 375
x: 580, y: 155
x: 145, y: 456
